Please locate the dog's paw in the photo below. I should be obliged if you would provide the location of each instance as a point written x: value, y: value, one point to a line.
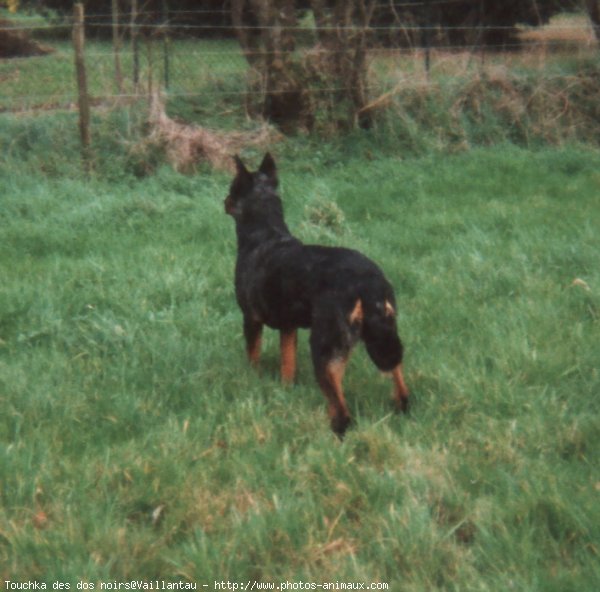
x: 339, y: 425
x: 402, y: 405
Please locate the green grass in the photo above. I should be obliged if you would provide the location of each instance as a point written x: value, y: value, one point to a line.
x: 206, y: 68
x: 137, y: 442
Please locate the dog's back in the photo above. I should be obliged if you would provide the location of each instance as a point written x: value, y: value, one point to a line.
x: 338, y: 293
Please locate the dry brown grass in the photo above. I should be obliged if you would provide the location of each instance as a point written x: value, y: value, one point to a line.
x: 187, y: 145
x: 564, y: 29
x: 542, y: 91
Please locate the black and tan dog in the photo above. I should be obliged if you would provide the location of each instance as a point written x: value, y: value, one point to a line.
x: 340, y: 294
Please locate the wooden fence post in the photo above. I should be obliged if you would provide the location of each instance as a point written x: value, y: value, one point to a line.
x: 82, y: 91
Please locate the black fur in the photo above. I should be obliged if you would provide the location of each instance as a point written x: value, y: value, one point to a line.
x: 340, y: 294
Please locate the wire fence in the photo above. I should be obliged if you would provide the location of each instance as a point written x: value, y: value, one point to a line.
x: 204, y: 62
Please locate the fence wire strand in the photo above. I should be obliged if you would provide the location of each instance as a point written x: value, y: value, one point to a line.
x: 205, y: 60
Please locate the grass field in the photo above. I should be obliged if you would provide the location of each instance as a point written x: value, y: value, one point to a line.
x: 137, y: 442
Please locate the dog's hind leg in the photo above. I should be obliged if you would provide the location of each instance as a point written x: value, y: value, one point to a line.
x: 287, y: 345
x: 253, y: 335
x: 385, y: 349
x: 329, y: 375
x: 333, y: 334
x: 401, y: 392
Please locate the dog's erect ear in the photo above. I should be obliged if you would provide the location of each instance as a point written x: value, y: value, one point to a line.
x: 243, y: 178
x: 268, y: 168
x: 240, y: 166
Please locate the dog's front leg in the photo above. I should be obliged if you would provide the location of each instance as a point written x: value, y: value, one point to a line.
x: 287, y: 345
x: 253, y: 335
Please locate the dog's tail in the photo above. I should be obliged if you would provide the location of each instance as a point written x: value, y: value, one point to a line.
x: 379, y: 330
x: 376, y: 311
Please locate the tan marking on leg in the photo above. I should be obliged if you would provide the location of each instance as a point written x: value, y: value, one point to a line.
x: 357, y: 314
x: 389, y: 309
x: 287, y: 346
x: 400, y: 389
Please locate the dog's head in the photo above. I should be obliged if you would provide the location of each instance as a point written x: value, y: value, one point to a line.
x: 248, y: 188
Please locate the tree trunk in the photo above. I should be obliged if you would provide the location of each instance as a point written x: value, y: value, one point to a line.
x: 342, y: 32
x: 266, y: 30
x: 245, y: 28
